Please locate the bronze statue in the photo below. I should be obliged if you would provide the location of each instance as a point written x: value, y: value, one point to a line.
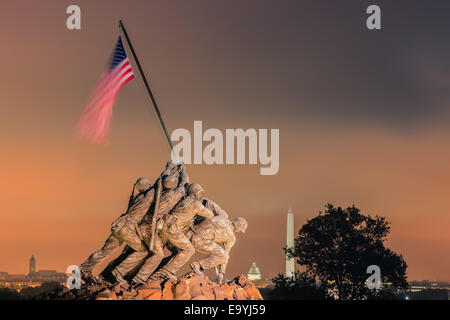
x: 215, y: 237
x: 173, y: 227
x: 174, y: 190
x: 170, y: 214
x: 124, y: 229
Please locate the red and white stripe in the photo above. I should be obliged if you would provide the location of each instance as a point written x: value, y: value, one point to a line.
x: 95, y: 120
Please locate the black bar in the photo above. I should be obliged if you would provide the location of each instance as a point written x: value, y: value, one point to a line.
x: 146, y: 84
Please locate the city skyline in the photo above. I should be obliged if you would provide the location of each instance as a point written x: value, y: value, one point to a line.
x: 251, y: 267
x: 33, y: 276
x: 362, y: 117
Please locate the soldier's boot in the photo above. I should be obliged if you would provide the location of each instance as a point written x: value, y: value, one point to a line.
x: 137, y: 282
x: 196, y: 267
x: 86, y: 277
x: 163, y: 274
x: 98, y: 279
x: 119, y: 279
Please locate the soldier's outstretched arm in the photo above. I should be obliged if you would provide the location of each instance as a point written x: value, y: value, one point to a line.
x: 204, y: 212
x: 169, y: 168
x: 214, y: 207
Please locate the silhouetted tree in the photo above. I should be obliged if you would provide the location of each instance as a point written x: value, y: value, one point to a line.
x: 8, y: 294
x: 337, y: 247
x: 299, y: 287
x: 30, y: 292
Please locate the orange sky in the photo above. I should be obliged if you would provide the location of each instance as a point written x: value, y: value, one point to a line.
x: 59, y: 194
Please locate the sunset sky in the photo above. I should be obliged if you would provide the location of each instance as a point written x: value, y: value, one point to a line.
x: 363, y: 118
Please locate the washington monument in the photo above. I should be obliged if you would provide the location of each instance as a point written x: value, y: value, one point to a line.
x: 290, y: 269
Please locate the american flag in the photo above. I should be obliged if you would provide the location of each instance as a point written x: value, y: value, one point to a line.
x: 96, y: 117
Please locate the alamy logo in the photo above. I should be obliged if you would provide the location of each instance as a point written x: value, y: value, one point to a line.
x: 235, y: 147
x: 73, y: 22
x: 74, y: 280
x: 373, y: 22
x: 374, y: 281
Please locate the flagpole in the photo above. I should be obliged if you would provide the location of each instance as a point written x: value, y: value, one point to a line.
x: 152, y: 98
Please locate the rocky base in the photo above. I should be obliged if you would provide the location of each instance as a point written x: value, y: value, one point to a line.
x: 189, y: 287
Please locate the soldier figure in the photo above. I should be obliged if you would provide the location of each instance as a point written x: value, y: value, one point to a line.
x: 174, y: 190
x: 124, y: 229
x: 214, y: 207
x: 215, y: 237
x: 179, y: 218
x: 169, y: 179
x: 175, y: 225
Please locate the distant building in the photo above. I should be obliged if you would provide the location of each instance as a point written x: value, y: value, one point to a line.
x: 32, y: 265
x: 254, y: 273
x: 17, y: 278
x: 429, y: 294
x: 16, y: 281
x: 3, y: 276
x: 48, y: 276
x: 33, y: 278
x: 44, y: 275
x: 427, y: 290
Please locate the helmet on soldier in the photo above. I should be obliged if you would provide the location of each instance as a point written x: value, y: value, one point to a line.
x: 240, y: 224
x: 143, y: 184
x: 195, y: 189
x: 170, y: 182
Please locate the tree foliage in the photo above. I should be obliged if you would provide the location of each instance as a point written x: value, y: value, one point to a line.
x: 299, y: 287
x: 31, y: 292
x: 8, y: 294
x: 337, y: 247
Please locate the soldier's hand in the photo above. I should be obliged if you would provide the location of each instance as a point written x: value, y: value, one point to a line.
x: 170, y: 166
x: 176, y: 161
x: 159, y: 224
x: 220, y: 277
